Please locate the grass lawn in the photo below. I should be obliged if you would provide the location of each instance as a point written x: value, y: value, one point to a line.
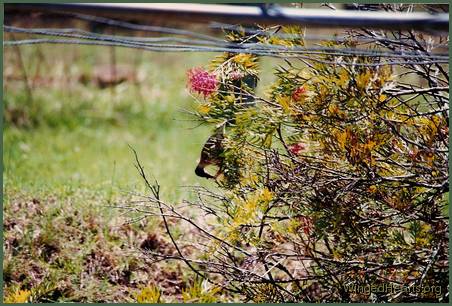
x: 67, y: 161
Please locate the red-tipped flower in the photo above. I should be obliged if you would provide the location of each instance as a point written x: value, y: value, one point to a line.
x: 297, y: 148
x: 307, y: 224
x: 298, y: 93
x: 202, y: 81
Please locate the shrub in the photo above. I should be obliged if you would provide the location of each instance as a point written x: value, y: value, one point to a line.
x: 335, y: 183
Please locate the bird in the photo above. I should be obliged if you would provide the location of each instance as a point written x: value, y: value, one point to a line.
x: 212, y: 154
x: 213, y: 151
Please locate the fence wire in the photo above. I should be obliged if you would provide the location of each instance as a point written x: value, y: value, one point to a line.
x: 273, y: 32
x: 198, y: 42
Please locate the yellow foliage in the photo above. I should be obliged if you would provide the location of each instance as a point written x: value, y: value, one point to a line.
x: 230, y: 98
x: 245, y: 116
x: 372, y: 189
x: 334, y: 110
x: 292, y: 226
x: 280, y: 229
x: 200, y: 292
x: 344, y: 78
x: 149, y: 294
x: 268, y: 140
x: 233, y: 234
x: 279, y: 41
x: 337, y: 255
x: 429, y: 127
x: 423, y: 237
x: 341, y: 138
x: 266, y: 195
x: 429, y: 157
x: 284, y: 101
x: 370, y: 145
x: 323, y: 92
x: 248, y: 210
x: 245, y: 60
x: 305, y: 74
x: 203, y: 108
x: 426, y: 227
x: 363, y: 80
x: 297, y: 31
x: 250, y: 179
x: 384, y: 74
x: 18, y: 296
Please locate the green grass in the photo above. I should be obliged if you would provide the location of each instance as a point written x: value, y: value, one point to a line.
x: 82, y: 138
x: 48, y: 159
x: 67, y: 161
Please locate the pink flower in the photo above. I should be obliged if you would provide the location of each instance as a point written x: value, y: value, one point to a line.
x: 297, y: 148
x: 298, y: 93
x: 202, y: 81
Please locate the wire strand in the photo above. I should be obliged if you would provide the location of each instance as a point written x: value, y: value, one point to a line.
x: 224, y: 46
x: 198, y: 49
